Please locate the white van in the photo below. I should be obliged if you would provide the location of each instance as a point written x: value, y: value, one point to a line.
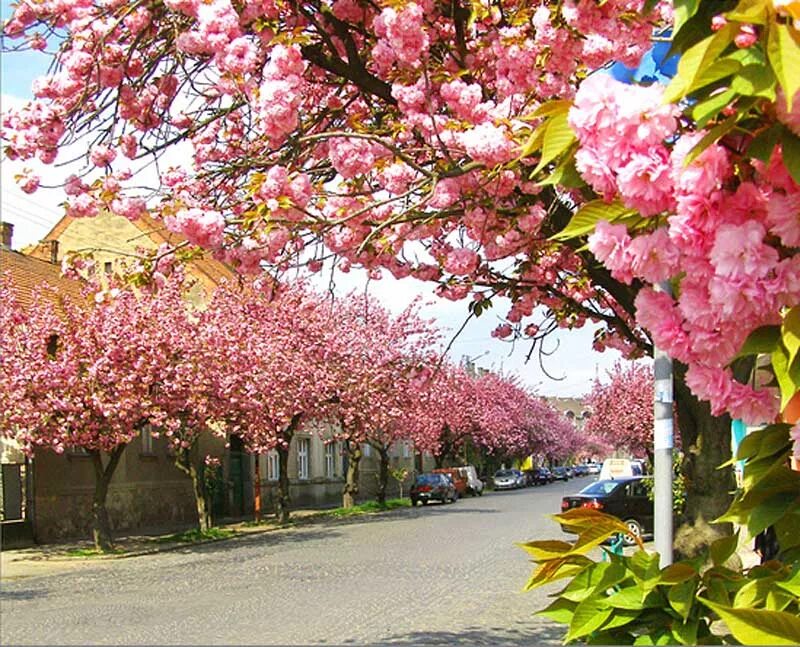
x: 614, y: 468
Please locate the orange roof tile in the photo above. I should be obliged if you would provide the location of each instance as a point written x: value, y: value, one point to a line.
x: 29, y: 276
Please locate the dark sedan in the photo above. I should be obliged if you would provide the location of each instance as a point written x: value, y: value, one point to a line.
x: 539, y: 476
x: 560, y: 474
x: 433, y: 487
x: 625, y: 498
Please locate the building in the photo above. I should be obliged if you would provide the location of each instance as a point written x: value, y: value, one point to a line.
x: 147, y: 490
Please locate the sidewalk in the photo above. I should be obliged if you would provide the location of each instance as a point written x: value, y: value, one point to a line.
x: 47, y: 559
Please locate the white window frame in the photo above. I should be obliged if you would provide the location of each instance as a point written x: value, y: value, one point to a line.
x: 330, y: 460
x: 147, y: 446
x: 303, y: 456
x: 273, y: 465
x: 366, y: 450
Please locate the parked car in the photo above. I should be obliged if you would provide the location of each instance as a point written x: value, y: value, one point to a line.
x: 459, y: 479
x: 570, y: 472
x: 560, y: 473
x: 474, y: 484
x: 581, y: 470
x: 625, y: 498
x: 593, y: 468
x: 433, y: 487
x: 508, y: 479
x: 539, y: 476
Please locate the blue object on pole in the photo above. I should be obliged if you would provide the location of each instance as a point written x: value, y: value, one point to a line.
x: 655, y: 66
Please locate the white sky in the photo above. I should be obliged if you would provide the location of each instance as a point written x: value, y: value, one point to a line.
x: 574, y: 361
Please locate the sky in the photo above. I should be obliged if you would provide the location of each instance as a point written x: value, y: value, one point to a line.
x: 572, y: 361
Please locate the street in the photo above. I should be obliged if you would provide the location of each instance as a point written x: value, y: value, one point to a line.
x: 440, y: 574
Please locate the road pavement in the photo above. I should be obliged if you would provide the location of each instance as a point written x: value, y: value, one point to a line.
x: 440, y: 574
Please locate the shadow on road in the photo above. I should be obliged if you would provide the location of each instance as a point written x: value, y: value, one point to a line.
x: 25, y: 594
x: 540, y: 635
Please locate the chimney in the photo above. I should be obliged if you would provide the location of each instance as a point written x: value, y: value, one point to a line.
x: 53, y: 244
x: 7, y: 233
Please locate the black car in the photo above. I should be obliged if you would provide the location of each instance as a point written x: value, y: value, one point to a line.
x: 625, y: 498
x: 539, y: 476
x: 561, y: 474
x: 433, y: 487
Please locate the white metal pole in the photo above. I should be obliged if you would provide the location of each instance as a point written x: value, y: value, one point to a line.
x: 662, y: 446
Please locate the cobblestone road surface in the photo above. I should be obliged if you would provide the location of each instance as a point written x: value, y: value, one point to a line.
x: 442, y: 574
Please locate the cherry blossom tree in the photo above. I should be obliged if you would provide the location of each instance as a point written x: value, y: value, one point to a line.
x: 469, y: 145
x: 378, y: 363
x: 622, y: 409
x: 270, y: 362
x: 81, y: 374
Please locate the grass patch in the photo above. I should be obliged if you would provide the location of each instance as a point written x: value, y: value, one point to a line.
x: 195, y: 535
x: 369, y: 507
x: 92, y: 552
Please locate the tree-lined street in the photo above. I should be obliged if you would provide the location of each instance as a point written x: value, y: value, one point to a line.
x: 441, y: 574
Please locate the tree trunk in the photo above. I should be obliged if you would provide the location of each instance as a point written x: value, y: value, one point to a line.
x: 438, y: 460
x: 186, y: 462
x: 282, y: 499
x: 383, y: 474
x: 706, y: 444
x: 351, y: 482
x: 101, y: 525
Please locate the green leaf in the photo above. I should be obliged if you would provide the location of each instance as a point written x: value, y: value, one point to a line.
x: 589, y: 615
x: 686, y: 633
x: 584, y: 584
x: 681, y: 597
x: 559, y: 610
x: 758, y: 626
x: 778, y: 601
x: 710, y: 137
x: 717, y: 70
x: 677, y: 573
x: 783, y: 50
x: 752, y: 11
x: 763, y: 339
x: 790, y: 332
x: 683, y: 11
x: 565, y: 175
x: 755, y: 81
x: 628, y: 598
x: 793, y: 583
x: 764, y: 143
x: 780, y: 364
x: 723, y: 548
x: 620, y: 618
x: 645, y: 568
x: 709, y: 108
x: 553, y: 107
x: 586, y: 218
x: 558, y: 137
x: 791, y: 153
x: 695, y: 61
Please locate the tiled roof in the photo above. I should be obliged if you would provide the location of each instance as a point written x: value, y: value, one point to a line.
x: 30, y: 276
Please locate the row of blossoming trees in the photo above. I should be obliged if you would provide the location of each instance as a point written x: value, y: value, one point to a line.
x: 261, y: 361
x: 471, y: 144
x: 454, y: 142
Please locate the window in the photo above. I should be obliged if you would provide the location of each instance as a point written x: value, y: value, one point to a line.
x: 146, y: 435
x: 406, y: 450
x: 366, y: 450
x: 330, y: 460
x: 272, y: 465
x: 303, y: 446
x: 108, y: 267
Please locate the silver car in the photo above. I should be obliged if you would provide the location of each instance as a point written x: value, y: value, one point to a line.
x: 508, y: 479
